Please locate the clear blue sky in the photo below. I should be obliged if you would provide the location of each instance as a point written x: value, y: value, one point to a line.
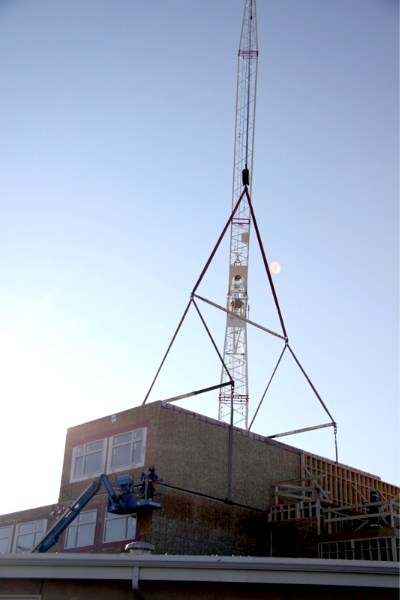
x: 116, y: 155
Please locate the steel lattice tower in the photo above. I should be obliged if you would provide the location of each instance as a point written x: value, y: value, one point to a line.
x: 233, y: 407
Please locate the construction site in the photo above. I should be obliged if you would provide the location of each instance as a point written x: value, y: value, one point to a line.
x: 158, y: 481
x: 261, y: 498
x: 266, y: 499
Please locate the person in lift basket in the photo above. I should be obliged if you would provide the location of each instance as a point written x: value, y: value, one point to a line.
x: 149, y: 483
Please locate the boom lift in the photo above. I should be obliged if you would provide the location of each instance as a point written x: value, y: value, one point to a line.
x: 124, y: 498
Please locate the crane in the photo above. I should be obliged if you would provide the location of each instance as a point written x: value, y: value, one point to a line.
x: 233, y: 405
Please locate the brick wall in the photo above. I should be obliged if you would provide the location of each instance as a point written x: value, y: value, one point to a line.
x: 206, y: 510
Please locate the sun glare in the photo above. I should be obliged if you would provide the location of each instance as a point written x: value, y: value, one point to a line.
x: 275, y: 267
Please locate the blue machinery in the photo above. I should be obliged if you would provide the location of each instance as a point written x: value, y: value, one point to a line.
x: 124, y: 498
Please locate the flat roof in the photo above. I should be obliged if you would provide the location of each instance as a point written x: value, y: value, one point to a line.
x: 153, y: 567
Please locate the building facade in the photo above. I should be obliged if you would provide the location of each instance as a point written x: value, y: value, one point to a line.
x: 223, y: 491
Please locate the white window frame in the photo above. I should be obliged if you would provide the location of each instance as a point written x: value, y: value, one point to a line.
x: 110, y: 518
x: 138, y: 436
x: 7, y: 537
x: 79, y: 523
x: 108, y: 445
x: 83, y: 451
x: 39, y: 527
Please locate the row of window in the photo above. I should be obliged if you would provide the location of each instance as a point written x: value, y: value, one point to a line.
x: 117, y: 528
x: 109, y: 455
x: 364, y: 549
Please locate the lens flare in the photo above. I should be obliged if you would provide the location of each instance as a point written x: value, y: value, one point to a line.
x: 275, y: 267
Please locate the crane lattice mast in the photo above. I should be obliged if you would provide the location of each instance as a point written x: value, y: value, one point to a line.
x: 233, y: 406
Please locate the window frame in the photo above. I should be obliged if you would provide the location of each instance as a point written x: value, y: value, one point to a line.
x: 75, y: 456
x: 74, y: 526
x: 110, y: 517
x: 10, y: 538
x: 138, y: 435
x: 38, y: 534
x: 133, y: 464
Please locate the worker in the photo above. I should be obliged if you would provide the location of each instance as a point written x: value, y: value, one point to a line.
x: 153, y: 479
x: 149, y: 483
x: 373, y: 509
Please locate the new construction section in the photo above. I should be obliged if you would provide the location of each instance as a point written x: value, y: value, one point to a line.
x: 284, y: 502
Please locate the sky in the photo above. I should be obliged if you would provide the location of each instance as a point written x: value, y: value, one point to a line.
x: 116, y: 159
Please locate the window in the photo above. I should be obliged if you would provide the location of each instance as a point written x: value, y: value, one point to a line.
x: 88, y: 460
x: 119, y: 527
x: 27, y: 535
x: 81, y: 531
x: 5, y: 538
x: 126, y: 450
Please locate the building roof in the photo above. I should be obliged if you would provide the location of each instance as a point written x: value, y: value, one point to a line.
x: 238, y: 569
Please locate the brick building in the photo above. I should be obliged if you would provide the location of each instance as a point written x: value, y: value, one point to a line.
x: 259, y: 497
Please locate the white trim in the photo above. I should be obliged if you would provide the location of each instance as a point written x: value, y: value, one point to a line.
x: 74, y: 478
x: 106, y: 455
x: 139, y: 462
x: 249, y: 570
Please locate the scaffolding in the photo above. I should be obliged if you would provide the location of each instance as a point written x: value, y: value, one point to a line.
x: 349, y: 514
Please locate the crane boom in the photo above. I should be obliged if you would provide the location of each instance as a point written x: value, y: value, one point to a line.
x: 233, y: 407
